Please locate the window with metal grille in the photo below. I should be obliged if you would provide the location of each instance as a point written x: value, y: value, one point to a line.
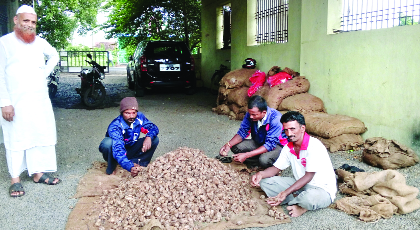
x: 378, y: 14
x: 227, y: 25
x: 224, y: 25
x: 272, y: 21
x: 26, y: 2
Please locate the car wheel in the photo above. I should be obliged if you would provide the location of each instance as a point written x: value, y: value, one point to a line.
x: 139, y: 90
x: 128, y: 79
x: 131, y: 82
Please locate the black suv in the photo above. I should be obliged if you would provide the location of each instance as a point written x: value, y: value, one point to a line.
x: 161, y: 64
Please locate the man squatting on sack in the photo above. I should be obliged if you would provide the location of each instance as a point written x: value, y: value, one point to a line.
x: 314, y: 184
x: 122, y: 143
x: 267, y: 140
x: 27, y: 116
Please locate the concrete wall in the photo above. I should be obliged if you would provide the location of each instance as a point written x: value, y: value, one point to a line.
x: 211, y: 56
x: 372, y: 75
x: 283, y: 55
x: 267, y: 55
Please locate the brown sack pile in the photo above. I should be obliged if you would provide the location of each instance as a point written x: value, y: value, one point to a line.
x: 279, y: 92
x: 342, y: 142
x: 388, y: 154
x: 376, y: 195
x: 304, y: 103
x: 234, y: 86
x: 237, y: 78
x: 337, y: 132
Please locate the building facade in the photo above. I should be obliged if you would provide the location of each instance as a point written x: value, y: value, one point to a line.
x: 369, y: 74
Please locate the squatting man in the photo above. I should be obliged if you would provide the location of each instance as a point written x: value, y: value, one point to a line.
x: 27, y: 116
x: 267, y: 138
x: 314, y: 184
x: 122, y: 143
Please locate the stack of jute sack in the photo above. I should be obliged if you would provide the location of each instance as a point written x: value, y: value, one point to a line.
x: 337, y: 132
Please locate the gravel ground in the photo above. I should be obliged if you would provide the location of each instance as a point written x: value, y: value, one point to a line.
x: 183, y: 121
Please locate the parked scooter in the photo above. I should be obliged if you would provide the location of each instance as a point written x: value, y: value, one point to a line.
x: 53, y: 80
x: 92, y: 90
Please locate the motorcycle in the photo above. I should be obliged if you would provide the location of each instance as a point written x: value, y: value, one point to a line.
x: 92, y: 90
x: 53, y: 80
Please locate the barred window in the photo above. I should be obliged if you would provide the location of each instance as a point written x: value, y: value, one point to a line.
x: 227, y: 25
x: 378, y: 14
x: 26, y: 2
x: 272, y: 21
x: 224, y: 26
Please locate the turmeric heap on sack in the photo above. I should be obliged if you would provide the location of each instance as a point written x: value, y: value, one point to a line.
x: 180, y: 189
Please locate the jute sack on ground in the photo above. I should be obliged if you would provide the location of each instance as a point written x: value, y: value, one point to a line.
x: 277, y: 93
x: 236, y: 109
x: 85, y: 213
x: 368, y: 208
x: 222, y: 109
x: 389, y: 184
x: 342, y: 142
x: 329, y: 126
x: 222, y: 95
x: 388, y: 154
x: 237, y: 78
x: 238, y: 96
x: 304, y: 103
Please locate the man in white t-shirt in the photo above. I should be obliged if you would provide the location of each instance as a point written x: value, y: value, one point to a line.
x: 314, y: 184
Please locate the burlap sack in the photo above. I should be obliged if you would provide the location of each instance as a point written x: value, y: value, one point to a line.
x: 277, y: 93
x: 236, y: 109
x: 329, y: 126
x: 222, y: 95
x: 342, y: 142
x: 238, y: 96
x: 390, y: 184
x: 388, y: 154
x: 240, y: 116
x: 86, y: 212
x: 368, y: 208
x: 237, y: 78
x: 304, y: 103
x: 222, y: 109
x: 291, y: 72
x: 263, y: 91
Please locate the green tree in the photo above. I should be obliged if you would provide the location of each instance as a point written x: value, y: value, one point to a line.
x: 58, y: 19
x: 132, y: 21
x: 406, y: 20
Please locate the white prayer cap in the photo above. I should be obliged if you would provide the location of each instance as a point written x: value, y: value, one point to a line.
x: 25, y: 9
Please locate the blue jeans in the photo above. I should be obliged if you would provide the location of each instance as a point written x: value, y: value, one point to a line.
x: 134, y: 153
x: 309, y: 197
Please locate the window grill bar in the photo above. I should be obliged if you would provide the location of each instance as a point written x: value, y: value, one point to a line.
x: 271, y: 18
x: 377, y: 14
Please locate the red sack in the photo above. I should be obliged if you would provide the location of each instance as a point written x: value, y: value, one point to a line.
x: 257, y: 80
x: 278, y: 78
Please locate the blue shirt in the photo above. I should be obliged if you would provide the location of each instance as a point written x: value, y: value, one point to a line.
x: 269, y: 134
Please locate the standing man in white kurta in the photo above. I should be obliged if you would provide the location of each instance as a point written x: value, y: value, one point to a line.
x: 27, y: 117
x: 314, y: 184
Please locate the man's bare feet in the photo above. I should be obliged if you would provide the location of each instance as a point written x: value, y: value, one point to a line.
x: 296, y: 211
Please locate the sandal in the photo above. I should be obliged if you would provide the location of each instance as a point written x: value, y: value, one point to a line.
x: 17, y: 187
x: 44, y: 177
x: 224, y: 159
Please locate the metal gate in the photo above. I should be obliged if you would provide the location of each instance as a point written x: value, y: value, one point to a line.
x: 74, y: 61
